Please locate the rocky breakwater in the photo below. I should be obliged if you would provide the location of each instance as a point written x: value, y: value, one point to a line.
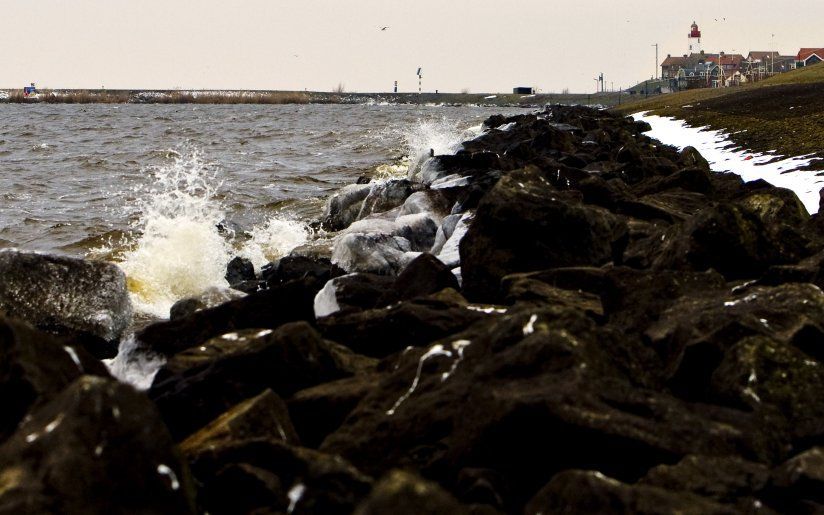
x: 564, y: 316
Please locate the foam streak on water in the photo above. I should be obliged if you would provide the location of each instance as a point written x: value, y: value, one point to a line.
x: 723, y: 156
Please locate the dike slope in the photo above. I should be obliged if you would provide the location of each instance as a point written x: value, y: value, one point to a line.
x: 631, y: 333
x: 784, y: 113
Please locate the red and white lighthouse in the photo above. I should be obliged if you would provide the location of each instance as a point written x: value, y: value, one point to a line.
x: 694, y: 39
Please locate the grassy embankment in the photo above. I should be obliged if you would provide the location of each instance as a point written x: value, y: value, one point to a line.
x: 784, y: 113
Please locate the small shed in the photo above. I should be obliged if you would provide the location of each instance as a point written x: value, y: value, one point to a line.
x: 523, y: 90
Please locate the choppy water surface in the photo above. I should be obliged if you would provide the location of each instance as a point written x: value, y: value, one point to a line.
x: 145, y: 185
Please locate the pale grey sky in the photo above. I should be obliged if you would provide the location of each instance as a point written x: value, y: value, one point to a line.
x: 480, y: 45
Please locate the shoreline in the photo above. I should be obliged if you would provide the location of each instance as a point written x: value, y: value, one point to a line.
x: 94, y: 96
x: 562, y: 316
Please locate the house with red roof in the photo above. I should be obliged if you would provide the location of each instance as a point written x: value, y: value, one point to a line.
x: 808, y: 56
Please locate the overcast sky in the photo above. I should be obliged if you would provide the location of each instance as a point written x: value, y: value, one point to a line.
x: 479, y: 45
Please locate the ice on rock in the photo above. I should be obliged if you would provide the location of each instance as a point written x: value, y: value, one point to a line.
x: 450, y: 253
x: 375, y: 253
x: 326, y: 301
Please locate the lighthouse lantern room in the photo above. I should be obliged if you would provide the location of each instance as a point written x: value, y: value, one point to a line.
x: 694, y: 39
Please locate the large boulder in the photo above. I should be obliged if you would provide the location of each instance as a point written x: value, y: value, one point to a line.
x: 529, y: 394
x: 587, y: 491
x: 98, y: 447
x: 403, y: 493
x: 262, y: 416
x: 198, y: 384
x: 351, y: 291
x: 87, y: 300
x: 34, y: 368
x: 376, y: 253
x: 386, y: 195
x: 343, y: 207
x: 265, y: 475
x: 212, y: 297
x: 267, y: 309
x: 525, y: 224
x: 383, y: 331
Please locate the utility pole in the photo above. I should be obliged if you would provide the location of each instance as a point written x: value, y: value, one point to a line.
x: 656, y: 60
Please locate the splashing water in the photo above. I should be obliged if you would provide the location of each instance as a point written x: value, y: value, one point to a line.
x: 443, y: 136
x: 134, y: 365
x: 274, y: 239
x: 179, y: 252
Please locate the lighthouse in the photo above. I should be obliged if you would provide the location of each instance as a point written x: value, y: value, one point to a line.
x: 694, y: 39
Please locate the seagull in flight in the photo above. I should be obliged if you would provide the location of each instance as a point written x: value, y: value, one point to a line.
x: 384, y: 28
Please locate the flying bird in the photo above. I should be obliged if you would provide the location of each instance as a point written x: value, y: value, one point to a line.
x: 384, y: 28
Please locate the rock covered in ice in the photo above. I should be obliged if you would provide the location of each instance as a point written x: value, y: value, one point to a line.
x: 65, y: 295
x: 427, y: 201
x: 449, y: 253
x: 445, y: 231
x: 375, y: 253
x: 343, y: 207
x: 419, y: 229
x: 386, y: 195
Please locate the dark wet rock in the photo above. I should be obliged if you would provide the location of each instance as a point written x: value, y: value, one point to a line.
x: 85, y: 300
x: 693, y: 335
x: 758, y: 371
x: 230, y: 228
x: 605, y: 193
x: 238, y: 270
x: 522, y: 290
x: 320, y: 410
x: 418, y: 229
x: 425, y: 275
x: 690, y: 157
x: 373, y: 253
x: 730, y: 239
x: 724, y: 479
x: 587, y: 491
x: 688, y: 179
x: 402, y: 493
x: 268, y: 475
x: 268, y: 309
x: 208, y: 299
x: 386, y: 195
x: 262, y: 416
x: 200, y: 383
x: 798, y: 483
x: 384, y: 331
x: 482, y: 488
x: 34, y: 368
x: 296, y: 267
x: 524, y: 224
x: 351, y: 291
x: 343, y: 207
x: 490, y: 395
x: 98, y: 447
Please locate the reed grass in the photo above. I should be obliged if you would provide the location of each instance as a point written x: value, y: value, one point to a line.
x: 173, y: 97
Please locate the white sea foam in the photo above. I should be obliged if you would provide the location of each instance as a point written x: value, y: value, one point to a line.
x: 134, y: 365
x: 179, y: 252
x: 274, y: 239
x: 717, y: 149
x: 443, y: 136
